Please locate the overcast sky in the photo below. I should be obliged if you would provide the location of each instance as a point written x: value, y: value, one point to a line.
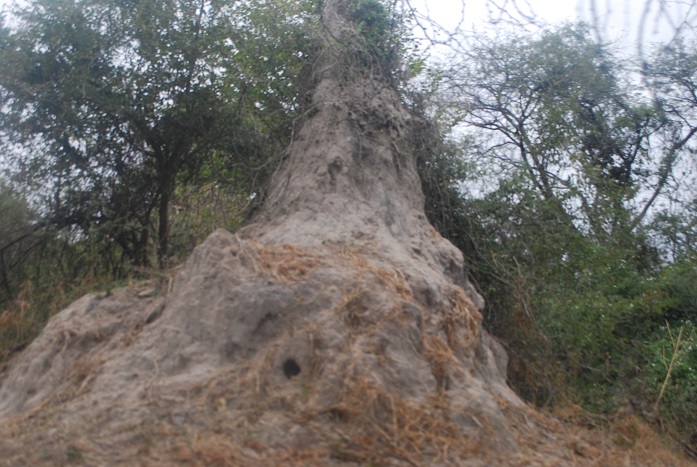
x: 616, y: 20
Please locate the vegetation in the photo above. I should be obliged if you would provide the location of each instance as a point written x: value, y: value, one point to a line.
x: 563, y: 171
x: 575, y: 211
x: 131, y: 130
x: 109, y: 99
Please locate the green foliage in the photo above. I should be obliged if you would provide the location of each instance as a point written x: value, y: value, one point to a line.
x: 40, y: 270
x: 675, y: 233
x: 378, y: 27
x: 16, y: 232
x: 137, y: 128
x: 107, y: 106
x: 557, y: 112
x: 384, y: 45
x: 676, y: 404
x: 565, y: 162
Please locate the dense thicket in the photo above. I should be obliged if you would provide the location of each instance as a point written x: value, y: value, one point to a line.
x: 575, y: 207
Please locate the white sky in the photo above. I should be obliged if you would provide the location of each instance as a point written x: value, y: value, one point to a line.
x: 616, y: 20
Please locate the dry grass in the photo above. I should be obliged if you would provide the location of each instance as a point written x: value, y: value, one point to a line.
x: 369, y: 427
x: 288, y: 264
x: 381, y: 425
x: 243, y: 417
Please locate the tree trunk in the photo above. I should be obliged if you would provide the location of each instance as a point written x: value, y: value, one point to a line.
x: 163, y: 221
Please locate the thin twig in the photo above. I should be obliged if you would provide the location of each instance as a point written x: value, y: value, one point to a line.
x: 676, y: 351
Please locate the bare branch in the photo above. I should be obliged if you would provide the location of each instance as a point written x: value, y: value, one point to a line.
x: 664, y: 174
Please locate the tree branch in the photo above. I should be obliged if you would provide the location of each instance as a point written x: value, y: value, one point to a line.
x: 664, y: 175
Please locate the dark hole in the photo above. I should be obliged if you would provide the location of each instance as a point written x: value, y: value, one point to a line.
x: 155, y: 314
x: 291, y: 368
x: 338, y: 415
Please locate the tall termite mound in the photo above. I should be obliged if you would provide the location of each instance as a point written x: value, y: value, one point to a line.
x: 339, y: 327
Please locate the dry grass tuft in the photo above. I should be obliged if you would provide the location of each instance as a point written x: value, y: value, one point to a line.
x: 375, y: 426
x: 462, y: 321
x: 288, y: 264
x: 208, y: 450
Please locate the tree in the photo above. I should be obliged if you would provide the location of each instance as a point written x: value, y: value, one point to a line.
x: 559, y: 114
x: 15, y: 226
x: 670, y: 75
x: 576, y: 209
x: 112, y: 102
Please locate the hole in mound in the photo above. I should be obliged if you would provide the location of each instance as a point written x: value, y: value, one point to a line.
x: 291, y: 368
x: 338, y: 415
